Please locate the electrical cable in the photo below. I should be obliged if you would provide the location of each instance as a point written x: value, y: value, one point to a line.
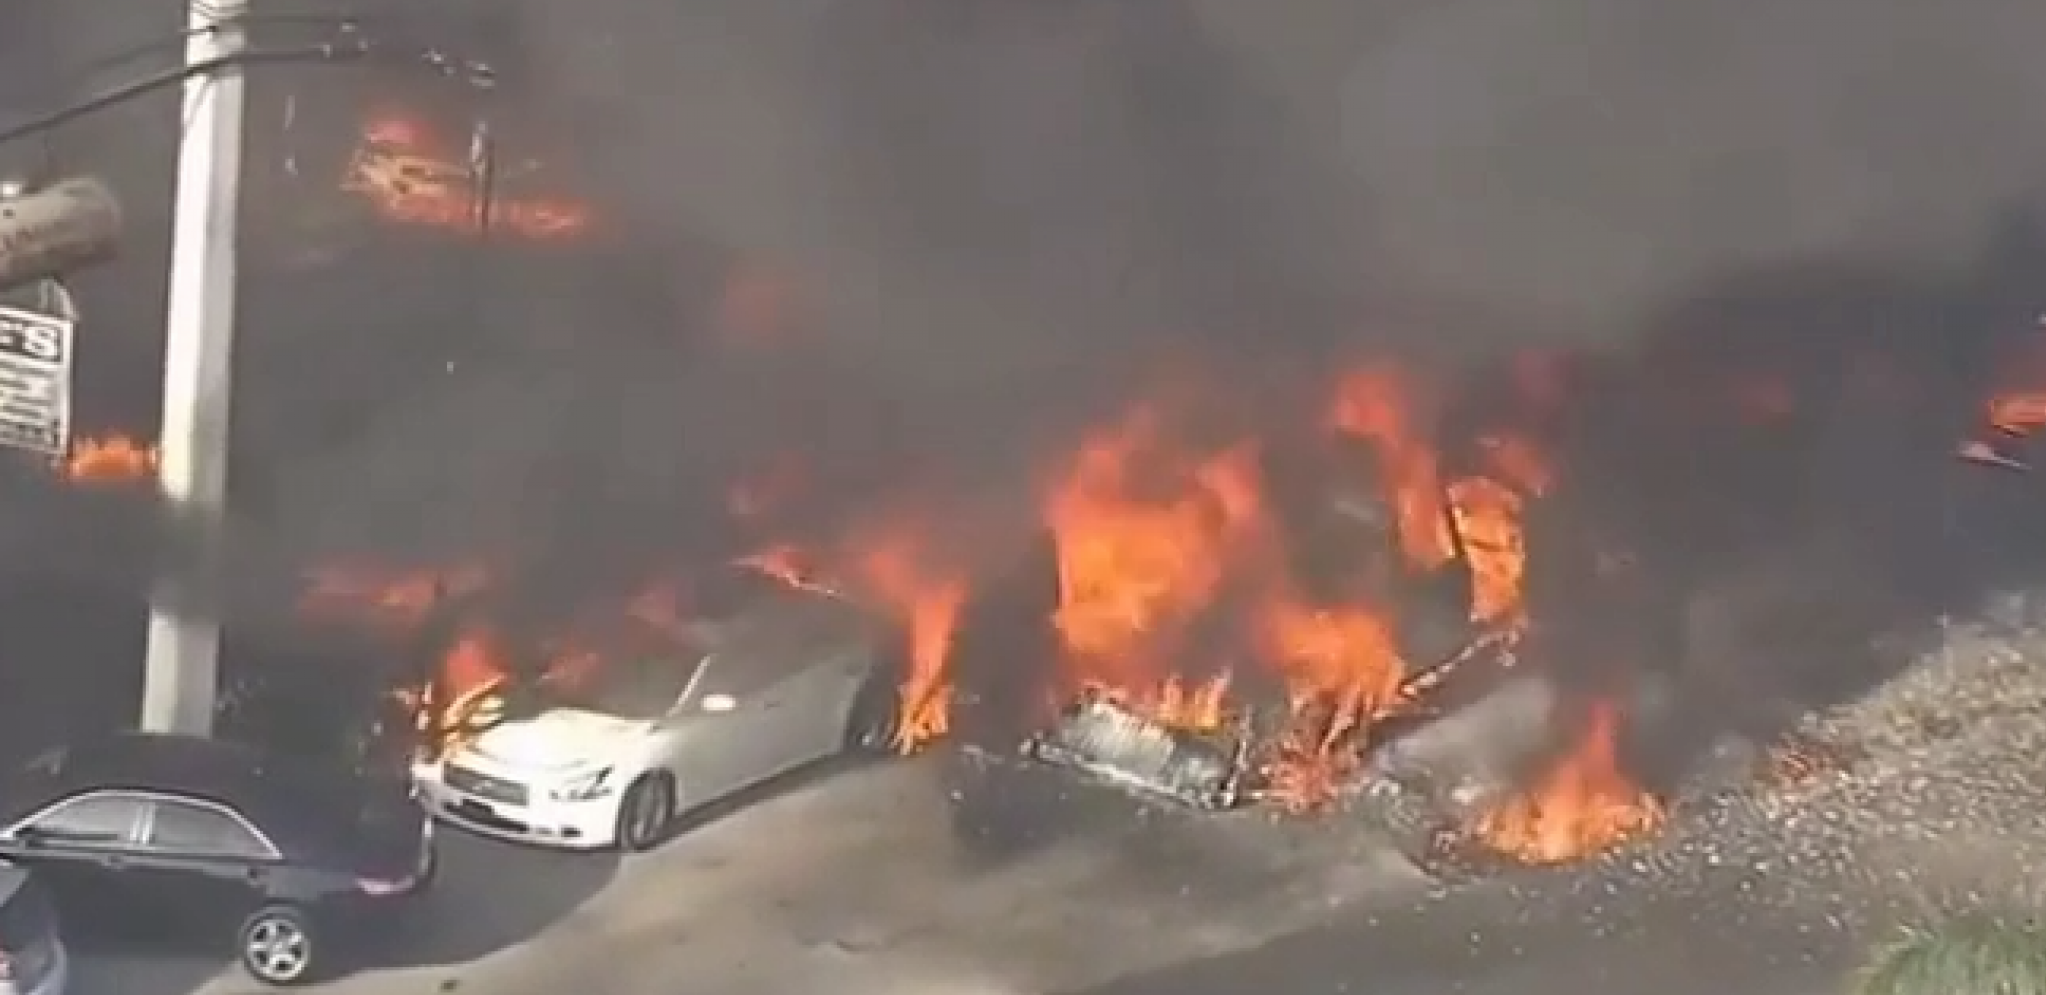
x: 354, y: 50
x: 177, y: 41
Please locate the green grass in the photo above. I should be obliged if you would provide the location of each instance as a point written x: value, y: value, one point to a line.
x: 1978, y: 955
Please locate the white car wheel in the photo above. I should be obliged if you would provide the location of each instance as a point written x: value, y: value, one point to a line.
x: 645, y: 813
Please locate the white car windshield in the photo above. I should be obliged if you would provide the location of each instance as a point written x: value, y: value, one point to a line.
x: 634, y: 688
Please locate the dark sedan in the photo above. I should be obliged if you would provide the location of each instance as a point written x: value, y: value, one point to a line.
x: 181, y: 838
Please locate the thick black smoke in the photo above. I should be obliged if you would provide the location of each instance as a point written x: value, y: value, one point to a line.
x: 1001, y: 219
x: 1589, y: 158
x: 1003, y: 215
x: 1574, y: 160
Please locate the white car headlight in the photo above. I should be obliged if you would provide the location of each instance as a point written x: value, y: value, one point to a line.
x: 595, y: 784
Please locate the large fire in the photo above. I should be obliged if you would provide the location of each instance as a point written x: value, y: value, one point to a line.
x: 1180, y: 591
x: 1180, y: 595
x: 1175, y: 600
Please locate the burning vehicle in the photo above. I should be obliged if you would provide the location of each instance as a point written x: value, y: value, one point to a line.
x: 1321, y: 626
x: 613, y: 740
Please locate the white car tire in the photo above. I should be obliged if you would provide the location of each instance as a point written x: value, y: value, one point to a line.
x: 646, y: 813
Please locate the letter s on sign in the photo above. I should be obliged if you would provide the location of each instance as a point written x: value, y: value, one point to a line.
x: 34, y: 340
x: 42, y: 342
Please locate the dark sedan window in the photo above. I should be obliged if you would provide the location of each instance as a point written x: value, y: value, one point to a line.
x: 95, y: 820
x: 198, y: 830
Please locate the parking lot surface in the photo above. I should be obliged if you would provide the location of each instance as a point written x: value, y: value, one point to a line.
x: 845, y: 881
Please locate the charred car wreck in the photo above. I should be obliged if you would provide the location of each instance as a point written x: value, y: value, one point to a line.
x: 1099, y: 761
x: 1115, y: 745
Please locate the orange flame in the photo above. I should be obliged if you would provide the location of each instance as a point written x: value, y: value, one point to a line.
x: 461, y: 697
x: 895, y: 567
x: 1172, y: 585
x: 1143, y: 538
x: 1196, y: 706
x: 1377, y: 405
x: 2016, y: 409
x: 116, y: 459
x: 408, y: 175
x: 2019, y: 413
x: 1342, y: 660
x: 1343, y: 671
x: 1488, y: 516
x: 1582, y: 804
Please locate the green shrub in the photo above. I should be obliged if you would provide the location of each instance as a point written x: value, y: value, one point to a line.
x: 1983, y: 955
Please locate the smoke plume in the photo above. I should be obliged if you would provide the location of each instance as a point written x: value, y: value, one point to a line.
x: 1004, y: 214
x: 1590, y: 157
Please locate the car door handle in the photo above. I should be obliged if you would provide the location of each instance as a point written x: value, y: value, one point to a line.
x: 113, y: 863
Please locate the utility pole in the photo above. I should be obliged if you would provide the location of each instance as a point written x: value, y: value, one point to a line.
x: 181, y: 680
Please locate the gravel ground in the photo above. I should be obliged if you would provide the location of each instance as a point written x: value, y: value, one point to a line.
x: 1765, y: 890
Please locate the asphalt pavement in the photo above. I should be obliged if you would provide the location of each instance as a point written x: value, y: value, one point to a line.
x: 841, y: 880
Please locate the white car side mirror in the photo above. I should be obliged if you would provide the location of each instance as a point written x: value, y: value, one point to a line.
x: 718, y: 704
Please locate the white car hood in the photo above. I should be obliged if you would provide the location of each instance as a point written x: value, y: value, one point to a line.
x: 559, y: 740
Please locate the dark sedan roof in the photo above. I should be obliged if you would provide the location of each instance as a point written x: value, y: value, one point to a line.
x: 266, y: 788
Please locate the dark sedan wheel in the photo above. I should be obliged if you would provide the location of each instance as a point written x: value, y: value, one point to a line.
x: 645, y: 814
x: 278, y: 947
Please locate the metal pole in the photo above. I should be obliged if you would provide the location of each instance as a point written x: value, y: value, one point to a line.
x: 181, y: 679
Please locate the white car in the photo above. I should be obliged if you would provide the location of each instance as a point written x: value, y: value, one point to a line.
x: 769, y: 679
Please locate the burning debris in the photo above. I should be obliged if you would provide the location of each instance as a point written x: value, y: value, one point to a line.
x: 409, y: 174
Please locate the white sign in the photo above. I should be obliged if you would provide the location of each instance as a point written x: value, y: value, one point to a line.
x: 35, y: 381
